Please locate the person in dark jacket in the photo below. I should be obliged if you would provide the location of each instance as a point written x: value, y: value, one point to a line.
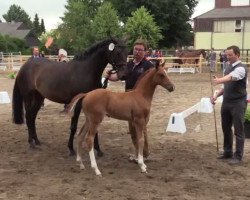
x: 234, y: 105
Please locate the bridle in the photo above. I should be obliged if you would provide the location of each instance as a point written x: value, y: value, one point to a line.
x: 111, y: 59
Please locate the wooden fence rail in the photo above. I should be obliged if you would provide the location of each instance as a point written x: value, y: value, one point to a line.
x: 14, y: 62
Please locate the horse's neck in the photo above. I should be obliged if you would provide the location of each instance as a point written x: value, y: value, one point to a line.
x: 146, y: 87
x: 95, y: 63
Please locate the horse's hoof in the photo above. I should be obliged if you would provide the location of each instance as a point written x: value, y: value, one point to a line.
x: 32, y: 146
x: 72, y: 153
x: 37, y: 142
x: 100, y: 153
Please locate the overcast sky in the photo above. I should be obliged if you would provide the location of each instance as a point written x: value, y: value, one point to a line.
x: 52, y: 10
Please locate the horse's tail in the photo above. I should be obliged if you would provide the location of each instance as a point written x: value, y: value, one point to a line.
x: 17, y: 105
x: 71, y: 106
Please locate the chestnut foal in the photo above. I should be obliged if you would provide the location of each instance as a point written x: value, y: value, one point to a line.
x: 133, y: 106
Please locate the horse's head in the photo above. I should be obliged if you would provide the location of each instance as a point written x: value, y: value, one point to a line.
x: 161, y: 77
x: 203, y: 52
x: 118, y: 56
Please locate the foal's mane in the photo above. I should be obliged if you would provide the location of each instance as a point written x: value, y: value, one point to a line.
x: 93, y: 48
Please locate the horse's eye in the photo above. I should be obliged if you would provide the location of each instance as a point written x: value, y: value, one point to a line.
x: 162, y: 76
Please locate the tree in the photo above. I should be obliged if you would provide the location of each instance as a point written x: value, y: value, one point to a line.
x: 36, y: 25
x: 42, y: 27
x: 105, y: 23
x: 11, y: 44
x: 142, y: 25
x: 171, y: 16
x: 75, y: 31
x: 17, y: 14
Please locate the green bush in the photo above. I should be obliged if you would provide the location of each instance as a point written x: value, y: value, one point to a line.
x: 247, y: 115
x: 12, y: 75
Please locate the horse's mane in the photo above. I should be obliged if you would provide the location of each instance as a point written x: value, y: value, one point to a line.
x: 93, y: 48
x: 141, y: 76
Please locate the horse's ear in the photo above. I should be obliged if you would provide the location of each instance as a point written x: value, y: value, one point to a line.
x: 125, y: 39
x: 163, y: 64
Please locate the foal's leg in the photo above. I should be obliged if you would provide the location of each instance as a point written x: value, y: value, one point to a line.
x: 73, y: 128
x: 89, y: 139
x: 140, y: 139
x: 132, y: 132
x: 145, y: 149
x: 32, y: 105
x: 80, y: 137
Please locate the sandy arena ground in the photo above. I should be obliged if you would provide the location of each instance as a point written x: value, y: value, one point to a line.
x: 180, y: 166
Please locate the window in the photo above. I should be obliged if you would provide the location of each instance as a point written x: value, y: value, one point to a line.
x: 238, y: 26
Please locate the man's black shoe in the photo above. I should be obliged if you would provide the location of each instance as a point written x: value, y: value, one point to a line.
x: 235, y: 161
x: 224, y: 156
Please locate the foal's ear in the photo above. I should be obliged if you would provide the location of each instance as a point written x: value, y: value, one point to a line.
x: 158, y: 64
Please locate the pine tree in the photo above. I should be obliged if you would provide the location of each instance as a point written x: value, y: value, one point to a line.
x: 42, y: 27
x: 36, y: 25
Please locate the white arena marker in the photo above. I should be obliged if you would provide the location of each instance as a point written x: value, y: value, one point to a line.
x: 177, y: 120
x: 4, y: 97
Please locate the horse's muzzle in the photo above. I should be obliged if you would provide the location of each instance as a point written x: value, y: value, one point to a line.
x: 171, y: 88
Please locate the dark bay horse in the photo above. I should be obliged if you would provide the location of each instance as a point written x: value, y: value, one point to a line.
x: 133, y: 106
x: 59, y: 82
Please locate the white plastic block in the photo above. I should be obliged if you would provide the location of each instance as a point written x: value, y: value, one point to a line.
x: 4, y: 97
x: 176, y: 123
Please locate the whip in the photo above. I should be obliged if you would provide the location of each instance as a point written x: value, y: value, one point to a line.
x: 215, y: 123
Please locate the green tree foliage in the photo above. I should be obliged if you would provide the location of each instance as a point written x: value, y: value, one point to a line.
x: 17, y: 14
x: 36, y: 25
x: 75, y: 31
x: 171, y: 15
x: 10, y: 44
x: 142, y: 25
x: 3, y: 44
x: 38, y: 28
x: 42, y: 27
x: 106, y: 23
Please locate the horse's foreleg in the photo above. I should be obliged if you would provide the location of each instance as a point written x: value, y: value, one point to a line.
x: 97, y: 147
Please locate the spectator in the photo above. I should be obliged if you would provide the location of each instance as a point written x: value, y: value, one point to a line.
x: 35, y: 53
x: 62, y: 55
x: 212, y: 60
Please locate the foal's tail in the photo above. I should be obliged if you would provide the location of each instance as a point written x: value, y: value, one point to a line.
x: 71, y: 106
x: 17, y: 106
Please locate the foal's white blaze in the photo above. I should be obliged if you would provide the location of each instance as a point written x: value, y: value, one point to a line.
x: 93, y: 162
x: 141, y: 164
x: 166, y: 72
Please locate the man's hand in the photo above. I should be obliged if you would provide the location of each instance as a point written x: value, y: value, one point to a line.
x: 213, y: 99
